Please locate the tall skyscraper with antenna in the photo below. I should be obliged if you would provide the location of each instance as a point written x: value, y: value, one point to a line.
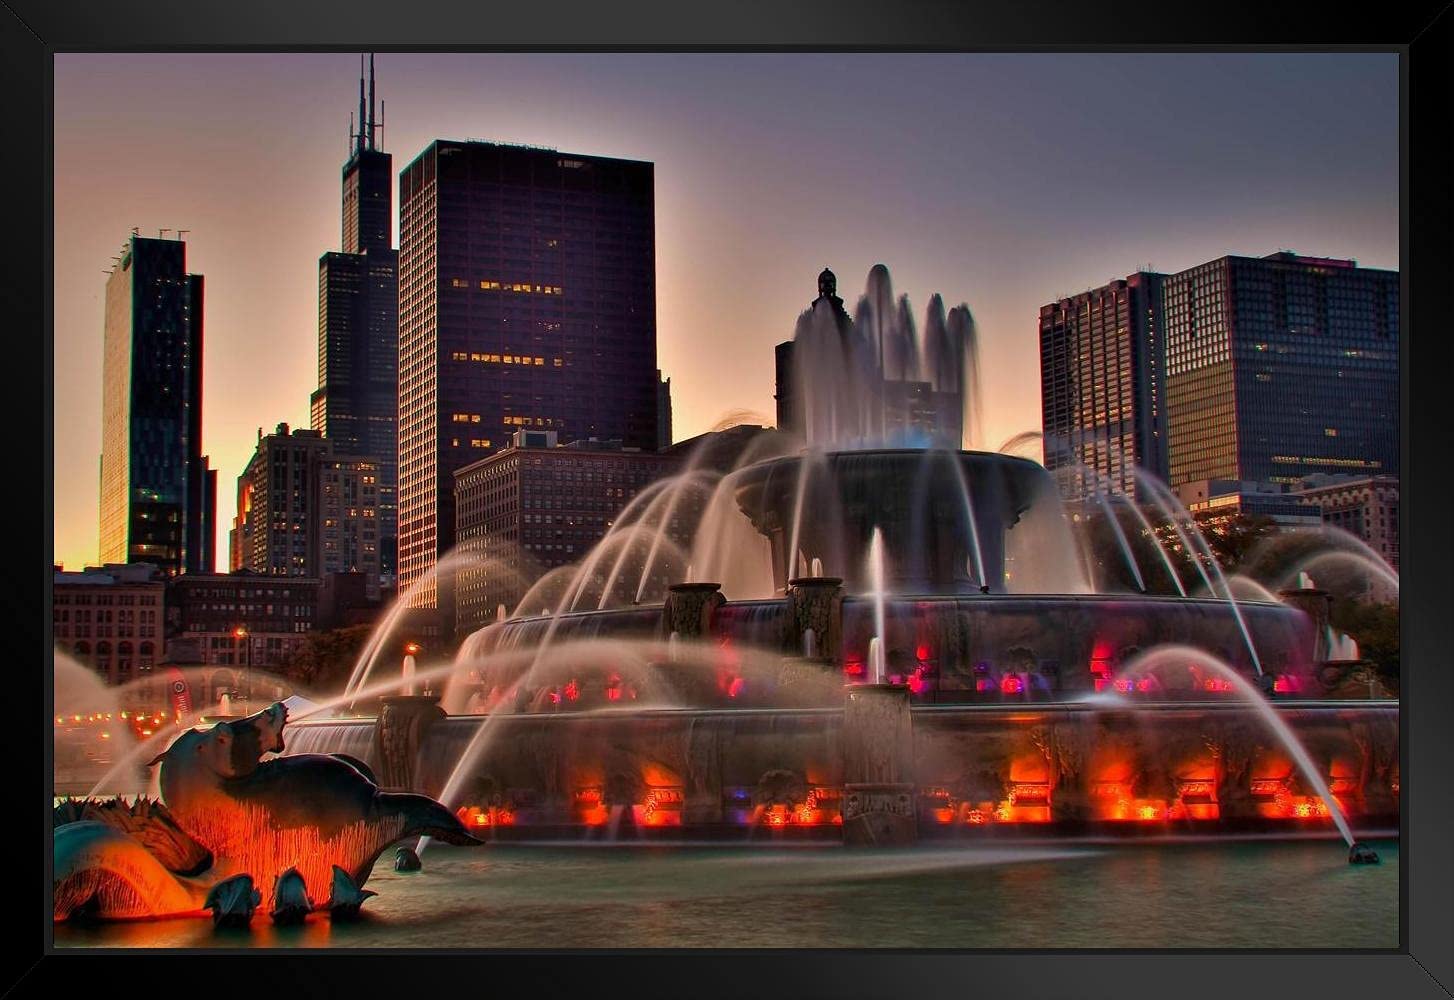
x: 356, y: 402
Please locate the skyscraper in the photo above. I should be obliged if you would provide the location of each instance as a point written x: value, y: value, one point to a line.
x: 1279, y: 367
x: 1251, y: 369
x: 356, y: 402
x: 527, y: 299
x: 1101, y: 399
x: 663, y: 411
x: 158, y: 496
x: 305, y: 509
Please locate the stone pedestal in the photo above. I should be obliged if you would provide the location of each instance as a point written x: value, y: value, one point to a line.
x: 816, y: 602
x: 1317, y: 605
x: 402, y: 724
x: 878, y: 766
x: 689, y: 608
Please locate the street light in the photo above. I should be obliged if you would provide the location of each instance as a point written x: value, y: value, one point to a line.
x: 407, y: 670
x: 240, y: 633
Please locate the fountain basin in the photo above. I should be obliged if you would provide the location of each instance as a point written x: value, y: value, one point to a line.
x: 971, y: 770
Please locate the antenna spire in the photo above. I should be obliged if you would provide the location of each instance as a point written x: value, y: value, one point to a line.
x: 362, y: 122
x: 373, y: 139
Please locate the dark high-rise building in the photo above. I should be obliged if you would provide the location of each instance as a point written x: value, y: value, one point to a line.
x: 305, y: 509
x: 663, y: 411
x: 787, y: 419
x: 527, y: 299
x: 1279, y: 367
x: 158, y: 496
x: 1103, y: 411
x: 356, y: 402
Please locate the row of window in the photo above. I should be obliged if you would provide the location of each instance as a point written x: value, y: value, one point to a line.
x: 519, y: 287
x: 64, y: 596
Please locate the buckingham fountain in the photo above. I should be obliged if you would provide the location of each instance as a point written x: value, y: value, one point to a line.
x: 879, y: 637
x: 873, y: 637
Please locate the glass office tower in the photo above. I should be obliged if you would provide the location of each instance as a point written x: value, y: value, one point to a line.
x: 158, y: 496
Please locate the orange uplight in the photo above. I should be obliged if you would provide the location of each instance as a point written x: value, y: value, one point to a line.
x: 239, y: 632
x: 663, y: 807
x: 1268, y: 786
x: 940, y: 805
x: 1030, y: 793
x: 478, y: 817
x: 1121, y: 807
x: 820, y: 807
x: 411, y: 648
x: 1309, y: 807
x: 592, y: 811
x: 1150, y: 811
x: 1196, y: 799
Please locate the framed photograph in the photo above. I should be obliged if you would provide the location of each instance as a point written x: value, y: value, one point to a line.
x: 842, y: 500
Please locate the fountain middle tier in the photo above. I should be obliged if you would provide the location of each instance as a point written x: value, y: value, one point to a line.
x: 945, y: 648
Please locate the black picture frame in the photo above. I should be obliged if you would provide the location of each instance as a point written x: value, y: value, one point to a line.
x: 33, y: 31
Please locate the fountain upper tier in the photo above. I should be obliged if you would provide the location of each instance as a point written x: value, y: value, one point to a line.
x: 953, y: 522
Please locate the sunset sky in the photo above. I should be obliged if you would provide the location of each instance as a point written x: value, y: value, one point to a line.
x: 1003, y: 181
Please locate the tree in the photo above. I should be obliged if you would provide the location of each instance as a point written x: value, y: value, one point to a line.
x: 324, y: 660
x: 1375, y: 627
x: 1233, y: 538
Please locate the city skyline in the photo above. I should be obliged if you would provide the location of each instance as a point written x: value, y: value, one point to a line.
x: 1002, y: 204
